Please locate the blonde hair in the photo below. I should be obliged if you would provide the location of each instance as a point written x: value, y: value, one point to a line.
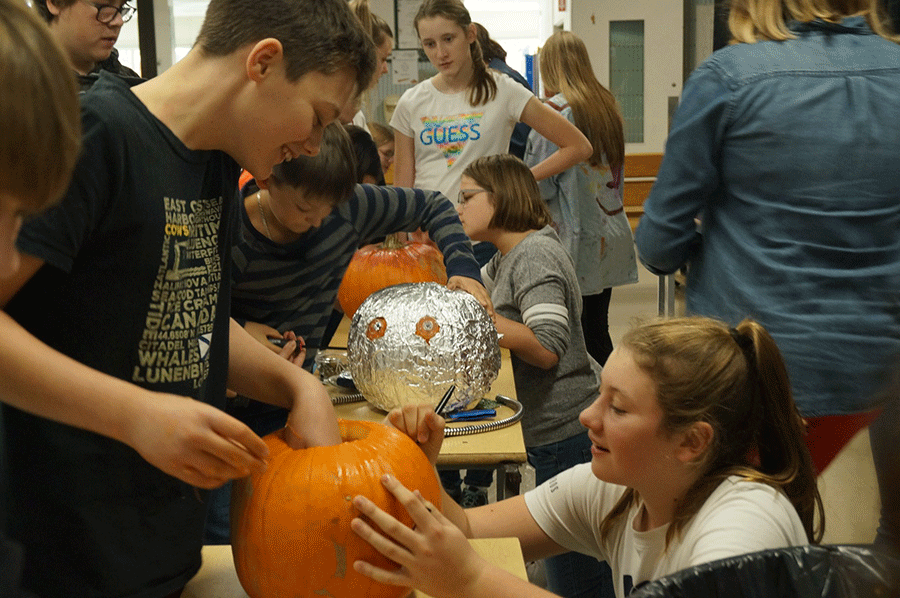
x: 736, y: 381
x: 566, y: 69
x: 482, y: 87
x: 380, y: 133
x: 514, y: 193
x: 754, y: 20
x: 375, y: 25
x: 39, y: 109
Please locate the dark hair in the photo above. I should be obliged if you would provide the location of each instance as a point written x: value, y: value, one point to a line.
x: 489, y: 48
x: 514, y: 193
x: 329, y: 175
x: 368, y: 161
x: 482, y: 87
x: 317, y: 35
x: 736, y: 381
x: 39, y: 110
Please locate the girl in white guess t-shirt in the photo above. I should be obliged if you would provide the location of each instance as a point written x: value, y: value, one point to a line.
x: 697, y: 455
x: 467, y: 110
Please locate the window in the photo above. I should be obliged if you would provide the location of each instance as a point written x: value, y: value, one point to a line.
x: 626, y: 74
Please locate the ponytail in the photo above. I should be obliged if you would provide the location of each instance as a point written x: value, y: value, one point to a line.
x: 482, y: 87
x: 372, y: 23
x: 784, y: 459
x: 736, y: 381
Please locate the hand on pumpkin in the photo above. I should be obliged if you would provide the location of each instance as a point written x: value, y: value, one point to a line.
x: 422, y: 424
x: 434, y: 556
x: 311, y: 420
x: 474, y: 288
x: 195, y: 442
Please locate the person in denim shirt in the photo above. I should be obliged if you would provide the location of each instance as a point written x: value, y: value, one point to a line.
x: 786, y: 148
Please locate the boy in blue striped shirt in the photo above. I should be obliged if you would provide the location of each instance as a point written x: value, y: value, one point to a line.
x: 298, y: 234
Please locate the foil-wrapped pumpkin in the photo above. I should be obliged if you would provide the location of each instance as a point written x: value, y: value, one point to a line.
x: 409, y: 342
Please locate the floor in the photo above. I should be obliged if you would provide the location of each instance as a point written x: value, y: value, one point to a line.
x: 848, y: 486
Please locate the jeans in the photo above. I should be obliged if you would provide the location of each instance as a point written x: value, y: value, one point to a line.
x: 450, y: 480
x: 570, y: 575
x: 218, y: 512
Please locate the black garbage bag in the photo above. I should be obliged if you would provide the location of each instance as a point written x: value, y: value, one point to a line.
x: 828, y: 571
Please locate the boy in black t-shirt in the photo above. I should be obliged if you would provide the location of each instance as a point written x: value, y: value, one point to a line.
x: 121, y: 303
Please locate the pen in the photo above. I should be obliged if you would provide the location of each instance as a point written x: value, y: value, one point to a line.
x: 281, y: 342
x: 443, y: 402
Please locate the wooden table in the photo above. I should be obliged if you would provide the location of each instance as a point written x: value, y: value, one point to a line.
x: 218, y: 579
x: 502, y: 450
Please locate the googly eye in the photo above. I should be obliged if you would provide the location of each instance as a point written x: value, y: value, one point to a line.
x: 427, y: 328
x: 376, y: 328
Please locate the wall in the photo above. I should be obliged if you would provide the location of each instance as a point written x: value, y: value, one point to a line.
x: 663, y: 57
x: 671, y: 50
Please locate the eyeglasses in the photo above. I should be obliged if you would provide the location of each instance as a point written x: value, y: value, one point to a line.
x: 466, y: 194
x: 106, y: 13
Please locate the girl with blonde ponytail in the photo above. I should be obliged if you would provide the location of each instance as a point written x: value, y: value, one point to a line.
x: 697, y: 455
x: 466, y: 110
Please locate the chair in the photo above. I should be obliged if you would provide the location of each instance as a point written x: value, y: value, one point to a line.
x: 828, y: 571
x: 640, y: 174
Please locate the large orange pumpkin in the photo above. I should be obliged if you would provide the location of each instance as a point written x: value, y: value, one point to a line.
x: 375, y: 267
x: 291, y: 535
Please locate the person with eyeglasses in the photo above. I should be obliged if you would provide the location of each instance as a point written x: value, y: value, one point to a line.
x: 88, y: 32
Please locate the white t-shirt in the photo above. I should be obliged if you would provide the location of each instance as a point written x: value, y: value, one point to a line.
x: 359, y: 119
x: 450, y: 134
x: 739, y: 517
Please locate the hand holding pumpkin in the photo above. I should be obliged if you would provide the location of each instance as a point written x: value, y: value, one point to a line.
x: 474, y: 288
x: 195, y: 442
x: 422, y: 424
x: 434, y: 556
x: 311, y: 421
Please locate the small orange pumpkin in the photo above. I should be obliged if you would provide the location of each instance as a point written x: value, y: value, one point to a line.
x: 375, y: 267
x: 291, y: 535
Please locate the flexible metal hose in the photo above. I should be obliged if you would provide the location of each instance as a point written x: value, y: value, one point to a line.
x: 513, y: 404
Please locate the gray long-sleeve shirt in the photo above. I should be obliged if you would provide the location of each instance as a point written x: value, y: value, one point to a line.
x: 535, y: 284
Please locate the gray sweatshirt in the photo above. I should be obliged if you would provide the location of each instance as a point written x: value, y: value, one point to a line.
x: 535, y: 284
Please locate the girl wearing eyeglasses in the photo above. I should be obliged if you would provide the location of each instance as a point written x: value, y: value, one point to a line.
x: 537, y: 307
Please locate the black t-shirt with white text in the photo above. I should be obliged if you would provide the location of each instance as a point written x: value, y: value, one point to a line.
x: 136, y: 285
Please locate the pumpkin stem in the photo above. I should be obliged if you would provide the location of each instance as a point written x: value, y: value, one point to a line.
x: 392, y: 241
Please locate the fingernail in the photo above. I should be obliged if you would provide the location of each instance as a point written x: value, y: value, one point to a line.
x: 387, y: 478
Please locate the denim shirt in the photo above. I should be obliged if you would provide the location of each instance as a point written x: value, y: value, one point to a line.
x: 789, y: 154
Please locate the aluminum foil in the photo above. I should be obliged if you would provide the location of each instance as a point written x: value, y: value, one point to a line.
x: 409, y: 342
